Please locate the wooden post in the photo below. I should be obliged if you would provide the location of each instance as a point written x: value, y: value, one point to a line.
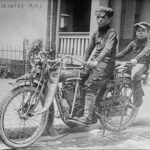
x: 57, y: 26
x: 130, y: 8
x: 49, y: 24
x: 24, y: 55
x: 26, y: 50
x: 116, y: 20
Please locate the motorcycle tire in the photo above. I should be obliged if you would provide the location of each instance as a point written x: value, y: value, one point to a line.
x: 21, y: 134
x: 119, y: 127
x: 123, y: 127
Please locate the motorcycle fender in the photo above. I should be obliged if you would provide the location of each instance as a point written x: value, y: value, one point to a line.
x: 18, y: 87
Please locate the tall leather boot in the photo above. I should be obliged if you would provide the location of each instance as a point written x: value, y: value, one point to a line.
x: 87, y: 118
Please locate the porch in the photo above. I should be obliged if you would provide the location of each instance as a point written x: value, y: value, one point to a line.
x: 72, y: 43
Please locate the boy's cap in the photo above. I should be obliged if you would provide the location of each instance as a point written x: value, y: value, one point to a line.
x: 143, y: 25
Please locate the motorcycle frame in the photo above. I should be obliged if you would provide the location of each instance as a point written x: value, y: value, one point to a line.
x: 51, y: 94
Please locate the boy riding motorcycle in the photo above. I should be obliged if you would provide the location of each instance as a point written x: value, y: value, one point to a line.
x: 100, y: 58
x: 139, y: 50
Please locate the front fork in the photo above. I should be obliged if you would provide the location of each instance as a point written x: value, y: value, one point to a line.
x: 52, y: 85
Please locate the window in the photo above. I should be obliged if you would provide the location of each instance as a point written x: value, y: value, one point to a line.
x: 75, y: 15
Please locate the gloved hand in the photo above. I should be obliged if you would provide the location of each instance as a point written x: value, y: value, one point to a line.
x: 133, y: 62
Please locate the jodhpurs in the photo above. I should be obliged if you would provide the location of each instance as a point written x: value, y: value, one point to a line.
x: 94, y: 79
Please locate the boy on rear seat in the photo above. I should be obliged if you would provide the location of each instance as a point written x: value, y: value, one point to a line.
x: 140, y: 51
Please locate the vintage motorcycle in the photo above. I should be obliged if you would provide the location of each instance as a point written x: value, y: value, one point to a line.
x: 29, y: 107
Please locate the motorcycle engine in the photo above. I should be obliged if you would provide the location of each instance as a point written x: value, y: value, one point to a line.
x: 68, y: 90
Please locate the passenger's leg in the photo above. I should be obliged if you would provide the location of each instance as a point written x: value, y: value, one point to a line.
x: 138, y: 93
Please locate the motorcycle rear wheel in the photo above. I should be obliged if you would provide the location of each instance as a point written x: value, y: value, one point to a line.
x: 17, y: 130
x: 127, y: 115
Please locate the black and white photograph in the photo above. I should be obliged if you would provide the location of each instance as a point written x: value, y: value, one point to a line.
x: 74, y: 74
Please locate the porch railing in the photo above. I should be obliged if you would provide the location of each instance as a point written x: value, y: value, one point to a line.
x: 72, y: 43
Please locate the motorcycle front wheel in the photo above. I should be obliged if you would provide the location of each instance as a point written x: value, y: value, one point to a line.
x: 19, y: 129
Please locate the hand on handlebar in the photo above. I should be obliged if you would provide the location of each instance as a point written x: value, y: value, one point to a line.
x: 125, y: 65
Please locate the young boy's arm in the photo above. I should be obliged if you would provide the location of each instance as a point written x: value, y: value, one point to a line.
x: 126, y: 51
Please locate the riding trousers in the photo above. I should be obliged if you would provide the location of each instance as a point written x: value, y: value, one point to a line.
x: 96, y: 78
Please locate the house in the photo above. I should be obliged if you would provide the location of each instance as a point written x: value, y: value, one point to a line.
x: 66, y: 25
x: 73, y: 21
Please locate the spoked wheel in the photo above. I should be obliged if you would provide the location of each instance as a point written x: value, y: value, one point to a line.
x: 17, y: 127
x: 121, y: 115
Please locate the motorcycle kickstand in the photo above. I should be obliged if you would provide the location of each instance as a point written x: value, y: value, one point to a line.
x: 104, y: 129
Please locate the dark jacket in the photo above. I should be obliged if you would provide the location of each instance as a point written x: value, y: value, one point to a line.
x: 139, y: 49
x: 102, y: 45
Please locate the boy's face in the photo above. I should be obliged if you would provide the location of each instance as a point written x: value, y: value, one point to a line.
x: 141, y: 33
x: 102, y: 19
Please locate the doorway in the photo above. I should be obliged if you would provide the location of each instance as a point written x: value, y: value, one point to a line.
x: 75, y: 15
